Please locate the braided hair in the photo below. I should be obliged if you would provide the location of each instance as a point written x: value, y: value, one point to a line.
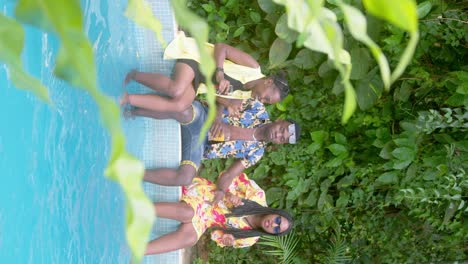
x: 253, y: 208
x: 280, y: 81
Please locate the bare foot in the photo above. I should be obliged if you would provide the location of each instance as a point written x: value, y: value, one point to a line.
x: 124, y: 99
x: 128, y: 113
x: 130, y: 76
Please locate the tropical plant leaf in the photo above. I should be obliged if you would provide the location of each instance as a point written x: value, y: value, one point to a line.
x: 279, y: 52
x: 357, y: 26
x: 402, y: 13
x: 424, y: 8
x: 282, y: 30
x: 11, y: 46
x: 337, y: 248
x: 285, y: 246
x: 319, y: 31
x: 267, y: 6
x: 405, y: 58
x: 387, y: 178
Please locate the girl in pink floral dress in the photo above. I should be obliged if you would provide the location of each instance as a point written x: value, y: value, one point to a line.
x: 238, y: 220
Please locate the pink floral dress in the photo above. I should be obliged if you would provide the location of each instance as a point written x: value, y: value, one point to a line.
x: 201, y: 192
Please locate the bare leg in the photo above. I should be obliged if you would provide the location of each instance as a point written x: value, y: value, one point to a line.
x: 171, y: 177
x: 155, y: 81
x: 179, y: 211
x: 162, y: 104
x: 185, y: 236
x: 183, y: 77
x: 182, y: 117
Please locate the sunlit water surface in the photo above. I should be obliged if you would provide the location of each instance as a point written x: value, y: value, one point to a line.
x: 56, y: 206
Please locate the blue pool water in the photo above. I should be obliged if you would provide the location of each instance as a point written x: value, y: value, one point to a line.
x: 56, y: 206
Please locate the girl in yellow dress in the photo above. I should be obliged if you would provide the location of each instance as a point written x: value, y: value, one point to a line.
x: 238, y: 76
x: 238, y: 220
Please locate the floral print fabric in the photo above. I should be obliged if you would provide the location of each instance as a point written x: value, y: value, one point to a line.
x: 253, y: 115
x: 201, y: 192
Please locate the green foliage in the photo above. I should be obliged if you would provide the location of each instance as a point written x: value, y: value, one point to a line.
x: 337, y: 251
x: 319, y: 31
x: 284, y: 246
x: 235, y: 255
x: 429, y: 121
x: 394, y: 177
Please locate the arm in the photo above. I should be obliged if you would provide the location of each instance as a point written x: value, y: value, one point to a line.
x: 243, y: 187
x: 233, y: 200
x: 224, y: 240
x: 226, y: 179
x: 222, y: 52
x: 217, y: 127
x: 234, y: 106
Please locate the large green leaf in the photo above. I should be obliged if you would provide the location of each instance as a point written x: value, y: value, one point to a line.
x: 140, y: 12
x: 300, y: 13
x: 424, y: 8
x: 368, y: 91
x: 361, y: 63
x: 401, y: 13
x: 267, y: 6
x: 306, y: 59
x: 318, y: 40
x: 335, y: 37
x: 404, y: 153
x: 279, y: 52
x: 387, y: 178
x: 337, y: 149
x: 326, y: 70
x: 75, y: 64
x: 283, y: 31
x: 406, y: 57
x: 342, y: 200
x: 11, y: 46
x: 319, y: 31
x: 319, y: 136
x: 306, y: 18
x: 357, y: 26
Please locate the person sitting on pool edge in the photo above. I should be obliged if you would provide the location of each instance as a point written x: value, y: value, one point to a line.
x: 238, y: 220
x: 235, y: 70
x: 247, y: 135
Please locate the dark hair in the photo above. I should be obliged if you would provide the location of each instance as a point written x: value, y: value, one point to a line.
x: 280, y: 81
x: 253, y: 208
x: 297, y: 128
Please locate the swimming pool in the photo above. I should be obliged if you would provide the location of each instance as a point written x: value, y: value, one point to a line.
x: 55, y: 204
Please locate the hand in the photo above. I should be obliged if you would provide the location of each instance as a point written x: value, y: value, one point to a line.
x: 234, y: 199
x: 218, y: 128
x: 218, y: 196
x: 223, y: 86
x: 223, y: 184
x: 235, y: 107
x: 128, y: 113
x: 228, y: 239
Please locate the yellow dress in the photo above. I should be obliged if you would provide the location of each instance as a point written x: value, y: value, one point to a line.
x: 183, y: 47
x: 201, y: 192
